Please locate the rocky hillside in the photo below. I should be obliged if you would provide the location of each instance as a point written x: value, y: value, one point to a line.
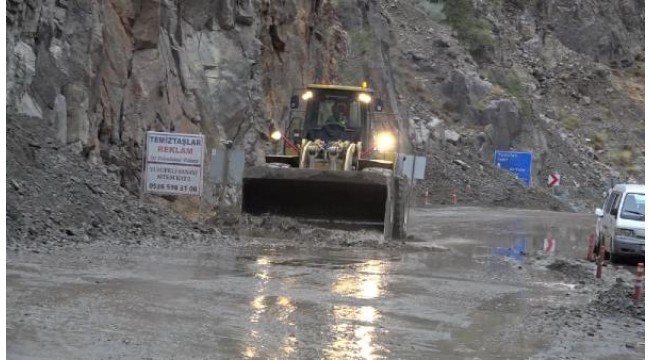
x: 559, y: 77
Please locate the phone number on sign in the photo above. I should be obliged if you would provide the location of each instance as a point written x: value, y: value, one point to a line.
x: 187, y: 189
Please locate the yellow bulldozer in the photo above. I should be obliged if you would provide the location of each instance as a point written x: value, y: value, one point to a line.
x: 335, y: 162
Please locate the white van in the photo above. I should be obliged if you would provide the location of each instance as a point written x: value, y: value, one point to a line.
x: 621, y: 221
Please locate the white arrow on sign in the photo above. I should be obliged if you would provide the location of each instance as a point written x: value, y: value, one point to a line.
x: 553, y: 180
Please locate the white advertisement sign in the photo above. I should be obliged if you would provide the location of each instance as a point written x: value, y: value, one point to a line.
x: 173, y: 179
x: 171, y: 148
x: 174, y: 163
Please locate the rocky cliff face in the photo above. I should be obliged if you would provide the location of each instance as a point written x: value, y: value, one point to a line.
x: 102, y: 72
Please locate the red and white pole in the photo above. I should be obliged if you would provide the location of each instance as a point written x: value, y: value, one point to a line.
x: 592, y: 245
x: 454, y: 197
x: 638, y: 283
x: 601, y: 258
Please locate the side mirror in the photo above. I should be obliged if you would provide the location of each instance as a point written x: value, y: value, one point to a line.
x: 599, y: 212
x: 295, y: 102
x: 379, y: 105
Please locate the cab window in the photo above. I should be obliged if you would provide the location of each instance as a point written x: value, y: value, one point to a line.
x: 343, y: 111
x: 335, y: 107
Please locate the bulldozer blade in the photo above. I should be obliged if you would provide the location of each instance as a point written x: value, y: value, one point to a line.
x: 350, y: 197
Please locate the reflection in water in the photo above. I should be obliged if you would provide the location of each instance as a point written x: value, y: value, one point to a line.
x: 289, y: 345
x: 366, y: 283
x: 367, y: 314
x: 284, y: 308
x: 263, y: 261
x: 354, y: 332
x: 249, y: 352
x: 258, y: 307
x: 268, y: 309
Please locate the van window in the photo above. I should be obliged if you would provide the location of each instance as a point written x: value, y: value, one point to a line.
x: 616, y: 202
x: 633, y: 207
x: 610, y: 201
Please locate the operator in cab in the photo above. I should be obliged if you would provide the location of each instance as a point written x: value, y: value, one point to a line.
x: 339, y: 114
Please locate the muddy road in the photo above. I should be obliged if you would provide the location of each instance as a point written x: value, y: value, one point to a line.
x: 471, y: 283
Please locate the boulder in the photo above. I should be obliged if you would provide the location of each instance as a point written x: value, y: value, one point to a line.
x: 420, y: 133
x: 464, y: 89
x: 505, y: 120
x: 452, y: 137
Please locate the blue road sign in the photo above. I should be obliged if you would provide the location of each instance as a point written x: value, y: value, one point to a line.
x: 517, y: 162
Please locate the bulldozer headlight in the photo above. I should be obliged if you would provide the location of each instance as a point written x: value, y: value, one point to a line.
x: 365, y: 98
x: 307, y: 95
x: 276, y: 135
x: 385, y: 141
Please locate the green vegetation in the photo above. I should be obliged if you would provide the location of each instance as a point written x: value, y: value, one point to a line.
x: 571, y: 122
x: 525, y: 106
x: 623, y: 158
x: 599, y: 140
x: 513, y: 85
x: 508, y: 85
x: 482, y: 104
x: 634, y: 170
x: 433, y: 8
x: 497, y: 92
x: 472, y: 30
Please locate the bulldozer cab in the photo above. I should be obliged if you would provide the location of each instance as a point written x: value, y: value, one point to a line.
x: 335, y: 115
x: 330, y: 113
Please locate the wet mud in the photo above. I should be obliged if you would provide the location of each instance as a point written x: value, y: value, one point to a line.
x: 469, y: 283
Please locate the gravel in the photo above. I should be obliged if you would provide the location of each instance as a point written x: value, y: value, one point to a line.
x: 56, y: 198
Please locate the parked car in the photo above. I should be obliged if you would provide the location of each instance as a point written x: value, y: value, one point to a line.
x: 620, y: 226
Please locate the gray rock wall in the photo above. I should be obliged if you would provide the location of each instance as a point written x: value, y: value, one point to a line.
x: 610, y: 32
x: 105, y: 72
